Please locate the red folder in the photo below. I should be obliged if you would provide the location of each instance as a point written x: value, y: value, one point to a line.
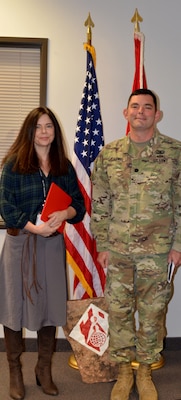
x: 56, y: 200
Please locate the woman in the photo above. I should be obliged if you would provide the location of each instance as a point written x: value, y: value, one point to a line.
x: 32, y: 264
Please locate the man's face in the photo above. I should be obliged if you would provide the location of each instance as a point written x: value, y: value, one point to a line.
x: 141, y: 113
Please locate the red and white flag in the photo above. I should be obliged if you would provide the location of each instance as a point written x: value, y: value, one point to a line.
x: 89, y: 276
x: 140, y: 76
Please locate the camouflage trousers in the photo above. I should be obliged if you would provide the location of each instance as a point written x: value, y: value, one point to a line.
x: 137, y: 294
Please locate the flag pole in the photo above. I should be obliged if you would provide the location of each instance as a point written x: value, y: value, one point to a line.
x: 89, y: 276
x: 72, y: 362
x: 88, y: 45
x: 136, y: 19
x: 139, y: 35
x: 139, y: 77
x: 90, y: 24
x: 141, y: 83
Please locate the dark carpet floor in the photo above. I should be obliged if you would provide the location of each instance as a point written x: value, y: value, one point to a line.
x: 71, y: 387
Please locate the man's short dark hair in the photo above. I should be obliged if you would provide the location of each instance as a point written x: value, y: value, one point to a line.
x: 144, y: 91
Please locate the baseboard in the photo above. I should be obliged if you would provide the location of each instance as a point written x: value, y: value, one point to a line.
x: 170, y: 344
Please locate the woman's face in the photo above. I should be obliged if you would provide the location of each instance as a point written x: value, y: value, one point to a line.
x: 44, y: 133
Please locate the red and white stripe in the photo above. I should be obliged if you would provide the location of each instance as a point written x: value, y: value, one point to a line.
x: 81, y: 252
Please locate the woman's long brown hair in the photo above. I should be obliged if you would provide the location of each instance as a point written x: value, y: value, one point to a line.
x: 23, y: 154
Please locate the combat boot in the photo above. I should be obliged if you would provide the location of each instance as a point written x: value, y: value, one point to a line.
x: 124, y: 384
x: 144, y: 383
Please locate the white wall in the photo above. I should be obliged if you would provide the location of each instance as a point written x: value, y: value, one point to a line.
x: 62, y: 22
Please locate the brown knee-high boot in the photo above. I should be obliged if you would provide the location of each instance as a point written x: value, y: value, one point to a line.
x: 46, y: 343
x: 14, y: 348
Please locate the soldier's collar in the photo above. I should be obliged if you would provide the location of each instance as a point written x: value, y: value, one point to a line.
x: 150, y: 145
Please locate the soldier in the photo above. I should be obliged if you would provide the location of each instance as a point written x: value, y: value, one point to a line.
x: 136, y: 221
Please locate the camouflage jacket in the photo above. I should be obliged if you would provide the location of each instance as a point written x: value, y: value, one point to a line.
x: 136, y: 200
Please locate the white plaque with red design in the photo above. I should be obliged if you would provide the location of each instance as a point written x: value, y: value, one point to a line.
x: 92, y: 330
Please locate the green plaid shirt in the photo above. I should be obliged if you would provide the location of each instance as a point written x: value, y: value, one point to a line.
x: 21, y: 196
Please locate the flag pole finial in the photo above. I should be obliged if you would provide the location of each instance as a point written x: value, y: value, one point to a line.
x: 89, y: 23
x: 136, y: 19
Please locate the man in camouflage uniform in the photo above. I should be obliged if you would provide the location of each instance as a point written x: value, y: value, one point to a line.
x: 136, y: 220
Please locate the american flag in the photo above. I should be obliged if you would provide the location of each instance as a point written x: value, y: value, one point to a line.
x: 139, y: 76
x: 89, y: 278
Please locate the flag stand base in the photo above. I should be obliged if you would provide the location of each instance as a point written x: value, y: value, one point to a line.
x: 72, y: 362
x: 159, y: 364
x: 155, y: 365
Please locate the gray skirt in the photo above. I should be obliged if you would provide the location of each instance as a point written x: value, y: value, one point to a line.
x: 33, y: 288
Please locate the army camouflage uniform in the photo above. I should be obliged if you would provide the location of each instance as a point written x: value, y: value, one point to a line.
x: 136, y: 216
